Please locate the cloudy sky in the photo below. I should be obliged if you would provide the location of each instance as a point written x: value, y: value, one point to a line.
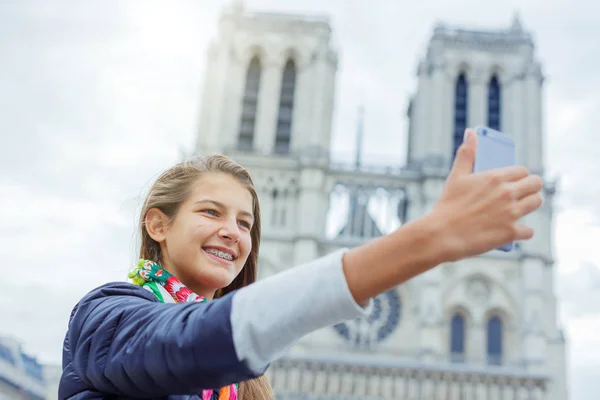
x: 97, y: 97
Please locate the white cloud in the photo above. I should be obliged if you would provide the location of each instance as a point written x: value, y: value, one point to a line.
x: 97, y: 99
x: 583, y: 359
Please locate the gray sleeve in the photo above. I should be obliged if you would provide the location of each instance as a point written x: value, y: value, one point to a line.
x: 272, y: 314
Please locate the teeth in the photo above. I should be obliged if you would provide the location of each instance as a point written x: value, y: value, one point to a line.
x: 220, y: 254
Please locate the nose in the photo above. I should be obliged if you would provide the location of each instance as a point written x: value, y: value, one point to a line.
x: 230, y: 230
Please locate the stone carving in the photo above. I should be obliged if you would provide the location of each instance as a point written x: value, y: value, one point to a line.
x: 500, y: 42
x: 478, y: 290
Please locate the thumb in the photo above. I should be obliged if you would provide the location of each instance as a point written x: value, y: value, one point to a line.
x: 465, y: 155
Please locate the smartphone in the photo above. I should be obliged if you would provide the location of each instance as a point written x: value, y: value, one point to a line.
x: 494, y: 150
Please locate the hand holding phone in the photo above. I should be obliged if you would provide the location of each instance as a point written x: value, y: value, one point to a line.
x: 494, y: 150
x: 482, y: 211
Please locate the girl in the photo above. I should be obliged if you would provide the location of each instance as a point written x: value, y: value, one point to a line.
x: 194, y: 326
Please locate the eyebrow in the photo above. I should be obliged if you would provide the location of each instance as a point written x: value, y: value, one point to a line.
x: 221, y: 205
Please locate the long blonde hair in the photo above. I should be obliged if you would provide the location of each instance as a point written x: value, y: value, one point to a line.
x: 167, y: 194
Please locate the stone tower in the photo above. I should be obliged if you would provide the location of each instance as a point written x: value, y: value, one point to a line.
x: 500, y: 306
x: 268, y: 103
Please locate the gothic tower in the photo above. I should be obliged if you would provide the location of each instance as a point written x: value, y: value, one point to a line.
x: 268, y: 103
x: 500, y: 308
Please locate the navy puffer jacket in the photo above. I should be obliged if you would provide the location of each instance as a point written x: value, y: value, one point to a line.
x: 123, y: 343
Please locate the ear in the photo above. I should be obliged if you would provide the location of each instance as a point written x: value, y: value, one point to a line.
x: 156, y: 224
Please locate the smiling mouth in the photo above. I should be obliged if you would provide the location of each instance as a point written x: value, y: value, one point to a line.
x: 224, y: 256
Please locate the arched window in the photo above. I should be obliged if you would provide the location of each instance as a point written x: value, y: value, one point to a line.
x: 457, y: 338
x: 494, y: 340
x: 249, y: 105
x: 494, y: 103
x: 460, y: 111
x: 286, y: 108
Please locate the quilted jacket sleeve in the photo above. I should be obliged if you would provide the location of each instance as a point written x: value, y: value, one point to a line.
x: 122, y: 341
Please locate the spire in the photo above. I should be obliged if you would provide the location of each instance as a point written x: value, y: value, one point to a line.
x: 516, y: 25
x: 359, y: 134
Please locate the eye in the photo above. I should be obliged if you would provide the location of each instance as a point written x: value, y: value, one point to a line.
x: 245, y: 224
x: 214, y: 213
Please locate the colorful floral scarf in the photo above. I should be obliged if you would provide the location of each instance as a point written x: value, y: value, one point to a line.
x: 168, y: 289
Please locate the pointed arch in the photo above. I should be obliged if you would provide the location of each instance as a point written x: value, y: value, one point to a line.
x: 494, y: 103
x: 250, y: 104
x: 495, y: 335
x: 506, y: 309
x: 458, y: 325
x: 461, y: 100
x: 286, y: 108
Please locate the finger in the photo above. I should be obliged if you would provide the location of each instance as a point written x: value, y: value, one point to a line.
x: 529, y: 204
x: 523, y: 232
x: 510, y: 174
x: 465, y: 155
x: 527, y: 186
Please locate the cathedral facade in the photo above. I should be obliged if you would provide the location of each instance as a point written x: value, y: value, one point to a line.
x: 481, y: 328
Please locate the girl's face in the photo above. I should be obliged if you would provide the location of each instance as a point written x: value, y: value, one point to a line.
x: 208, y: 242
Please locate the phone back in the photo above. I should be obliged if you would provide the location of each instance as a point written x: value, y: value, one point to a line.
x: 494, y: 150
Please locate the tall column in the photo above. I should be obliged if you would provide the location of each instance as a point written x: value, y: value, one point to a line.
x: 311, y: 212
x: 447, y: 95
x: 534, y: 348
x: 535, y: 146
x: 329, y: 99
x: 431, y: 347
x: 441, y: 135
x: 228, y: 134
x: 477, y: 98
x: 301, y: 116
x: 519, y: 108
x: 541, y: 221
x: 507, y: 108
x: 475, y: 339
x: 268, y: 106
x: 319, y: 81
x: 420, y: 123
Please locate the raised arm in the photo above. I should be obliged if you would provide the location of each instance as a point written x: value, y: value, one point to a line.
x: 475, y: 213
